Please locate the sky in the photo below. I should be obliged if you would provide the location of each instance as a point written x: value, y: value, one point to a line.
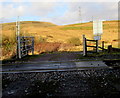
x: 60, y: 12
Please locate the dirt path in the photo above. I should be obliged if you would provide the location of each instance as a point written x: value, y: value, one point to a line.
x: 59, y: 56
x: 58, y: 61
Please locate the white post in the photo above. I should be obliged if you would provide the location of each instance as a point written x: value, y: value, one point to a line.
x: 18, y: 38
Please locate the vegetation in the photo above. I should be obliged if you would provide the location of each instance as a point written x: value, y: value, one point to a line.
x: 77, y: 28
x: 75, y: 41
x: 50, y: 37
x: 40, y: 40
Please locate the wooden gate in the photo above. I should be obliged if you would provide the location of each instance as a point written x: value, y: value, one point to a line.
x: 96, y: 45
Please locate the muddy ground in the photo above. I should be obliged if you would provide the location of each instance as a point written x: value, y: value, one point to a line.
x: 65, y: 56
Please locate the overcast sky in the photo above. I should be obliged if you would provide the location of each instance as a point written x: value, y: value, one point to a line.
x: 60, y: 12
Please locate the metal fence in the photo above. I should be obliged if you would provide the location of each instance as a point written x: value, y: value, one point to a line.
x: 25, y: 45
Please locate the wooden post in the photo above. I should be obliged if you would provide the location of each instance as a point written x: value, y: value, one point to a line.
x: 84, y: 46
x: 102, y: 45
x: 32, y: 45
x: 97, y: 46
x: 109, y: 48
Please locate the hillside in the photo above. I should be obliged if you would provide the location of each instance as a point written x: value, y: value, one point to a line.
x: 63, y: 36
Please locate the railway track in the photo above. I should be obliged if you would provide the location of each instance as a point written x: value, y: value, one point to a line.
x: 52, y: 66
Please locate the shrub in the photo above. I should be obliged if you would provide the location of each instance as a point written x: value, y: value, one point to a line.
x: 6, y: 40
x: 74, y: 40
x: 40, y: 40
x: 76, y: 28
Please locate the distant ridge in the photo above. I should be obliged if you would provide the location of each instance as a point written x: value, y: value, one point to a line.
x: 36, y: 23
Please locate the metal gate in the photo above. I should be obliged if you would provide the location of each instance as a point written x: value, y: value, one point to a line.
x: 25, y: 44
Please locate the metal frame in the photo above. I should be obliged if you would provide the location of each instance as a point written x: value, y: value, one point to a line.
x: 25, y: 44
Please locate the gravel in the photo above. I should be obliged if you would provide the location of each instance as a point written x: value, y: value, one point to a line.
x: 83, y: 83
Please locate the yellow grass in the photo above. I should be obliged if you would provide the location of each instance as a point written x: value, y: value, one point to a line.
x: 54, y: 33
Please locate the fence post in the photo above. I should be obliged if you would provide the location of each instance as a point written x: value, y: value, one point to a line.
x: 102, y: 45
x: 109, y: 48
x: 32, y: 45
x: 84, y: 46
x: 97, y: 46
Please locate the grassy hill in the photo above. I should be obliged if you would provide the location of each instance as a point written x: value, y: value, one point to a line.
x: 49, y: 36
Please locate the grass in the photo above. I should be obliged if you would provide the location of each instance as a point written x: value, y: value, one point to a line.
x: 76, y: 28
x: 51, y: 33
x: 79, y: 24
x: 99, y: 56
x: 75, y: 41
